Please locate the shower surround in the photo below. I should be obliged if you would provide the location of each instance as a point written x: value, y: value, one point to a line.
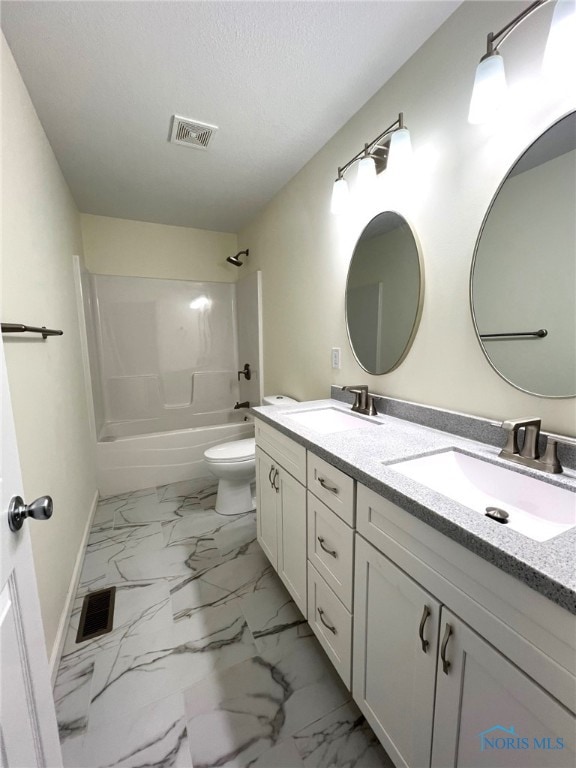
x: 166, y: 374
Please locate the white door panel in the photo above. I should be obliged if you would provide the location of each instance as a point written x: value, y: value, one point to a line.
x: 29, y: 735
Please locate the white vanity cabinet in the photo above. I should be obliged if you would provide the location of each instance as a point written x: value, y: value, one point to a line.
x: 440, y: 691
x: 281, y: 508
x: 331, y: 517
x: 454, y: 662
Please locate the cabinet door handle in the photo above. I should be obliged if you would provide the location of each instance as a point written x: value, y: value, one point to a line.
x: 447, y: 634
x: 272, y: 468
x: 325, y: 548
x: 323, y: 620
x: 276, y: 487
x: 327, y: 487
x: 425, y: 614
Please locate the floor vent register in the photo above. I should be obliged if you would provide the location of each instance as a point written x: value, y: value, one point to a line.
x: 97, y: 614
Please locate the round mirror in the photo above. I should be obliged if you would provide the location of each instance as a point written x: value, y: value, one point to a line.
x: 384, y: 293
x: 523, y: 281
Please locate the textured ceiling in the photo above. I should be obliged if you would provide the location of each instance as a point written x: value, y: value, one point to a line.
x: 277, y: 78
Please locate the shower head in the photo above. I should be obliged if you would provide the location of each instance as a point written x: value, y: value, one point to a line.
x: 236, y: 259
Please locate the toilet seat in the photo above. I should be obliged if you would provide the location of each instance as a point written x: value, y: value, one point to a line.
x: 232, y: 453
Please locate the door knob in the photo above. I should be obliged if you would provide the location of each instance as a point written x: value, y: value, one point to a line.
x: 40, y: 509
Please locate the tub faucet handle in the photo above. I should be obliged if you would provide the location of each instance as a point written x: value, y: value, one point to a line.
x: 246, y: 372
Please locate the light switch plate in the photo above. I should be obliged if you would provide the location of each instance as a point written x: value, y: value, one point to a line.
x: 336, y: 357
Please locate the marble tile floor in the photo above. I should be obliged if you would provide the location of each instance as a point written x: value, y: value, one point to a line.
x: 210, y: 662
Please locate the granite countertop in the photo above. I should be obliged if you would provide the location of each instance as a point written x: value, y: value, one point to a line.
x: 364, y: 454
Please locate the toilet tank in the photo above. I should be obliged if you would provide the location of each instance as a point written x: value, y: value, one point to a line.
x: 278, y: 400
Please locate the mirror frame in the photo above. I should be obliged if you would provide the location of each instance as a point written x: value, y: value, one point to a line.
x: 418, y: 315
x: 475, y: 255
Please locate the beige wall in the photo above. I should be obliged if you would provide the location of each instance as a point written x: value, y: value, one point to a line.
x: 140, y: 249
x: 40, y: 234
x: 304, y: 251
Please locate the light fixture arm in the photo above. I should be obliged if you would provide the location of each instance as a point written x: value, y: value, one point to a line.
x: 495, y: 39
x: 374, y: 144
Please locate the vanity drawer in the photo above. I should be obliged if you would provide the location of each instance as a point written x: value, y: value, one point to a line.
x: 332, y: 487
x: 331, y: 548
x: 282, y: 449
x: 331, y: 623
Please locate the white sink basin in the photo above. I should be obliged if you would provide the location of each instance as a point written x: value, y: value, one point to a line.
x: 328, y: 420
x: 537, y: 509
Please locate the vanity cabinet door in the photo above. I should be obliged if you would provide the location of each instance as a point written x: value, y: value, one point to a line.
x: 489, y: 713
x: 395, y: 652
x: 266, y: 506
x: 292, y: 537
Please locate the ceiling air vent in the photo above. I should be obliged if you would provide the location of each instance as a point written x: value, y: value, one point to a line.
x: 191, y: 133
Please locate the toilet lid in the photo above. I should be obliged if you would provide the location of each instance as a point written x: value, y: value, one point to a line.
x: 238, y: 450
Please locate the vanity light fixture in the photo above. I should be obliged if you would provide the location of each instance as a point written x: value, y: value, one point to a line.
x: 388, y: 150
x: 490, y: 86
x: 559, y: 56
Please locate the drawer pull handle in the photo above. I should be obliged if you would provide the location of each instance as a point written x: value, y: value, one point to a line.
x: 425, y: 614
x: 327, y: 487
x: 325, y: 548
x: 323, y: 620
x: 276, y: 487
x: 445, y: 663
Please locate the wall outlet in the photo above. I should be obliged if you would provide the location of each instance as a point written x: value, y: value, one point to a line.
x: 336, y: 357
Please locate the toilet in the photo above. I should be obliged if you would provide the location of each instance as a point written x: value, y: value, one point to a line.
x: 234, y: 464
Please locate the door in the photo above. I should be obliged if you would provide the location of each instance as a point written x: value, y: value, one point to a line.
x: 266, y: 506
x: 395, y: 651
x: 28, y: 731
x: 292, y: 537
x: 489, y: 713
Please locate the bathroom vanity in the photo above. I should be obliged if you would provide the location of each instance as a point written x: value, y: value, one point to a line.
x: 455, y: 634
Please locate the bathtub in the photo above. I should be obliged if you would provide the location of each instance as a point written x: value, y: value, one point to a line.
x: 132, y: 455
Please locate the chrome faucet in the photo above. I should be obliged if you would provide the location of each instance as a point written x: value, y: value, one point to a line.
x: 529, y: 454
x: 363, y: 400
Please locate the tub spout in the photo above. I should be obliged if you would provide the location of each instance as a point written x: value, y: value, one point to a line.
x: 245, y: 404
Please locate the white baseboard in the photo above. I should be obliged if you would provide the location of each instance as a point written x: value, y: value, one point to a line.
x: 67, y: 610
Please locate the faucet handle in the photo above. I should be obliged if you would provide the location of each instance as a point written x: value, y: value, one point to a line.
x: 370, y: 406
x: 550, y: 459
x: 359, y: 391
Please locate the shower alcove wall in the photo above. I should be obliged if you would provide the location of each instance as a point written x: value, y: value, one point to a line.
x: 164, y: 360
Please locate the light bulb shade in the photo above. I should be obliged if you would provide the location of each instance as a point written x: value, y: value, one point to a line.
x: 560, y: 54
x: 400, y: 150
x: 366, y: 174
x: 340, y: 196
x: 489, y: 89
